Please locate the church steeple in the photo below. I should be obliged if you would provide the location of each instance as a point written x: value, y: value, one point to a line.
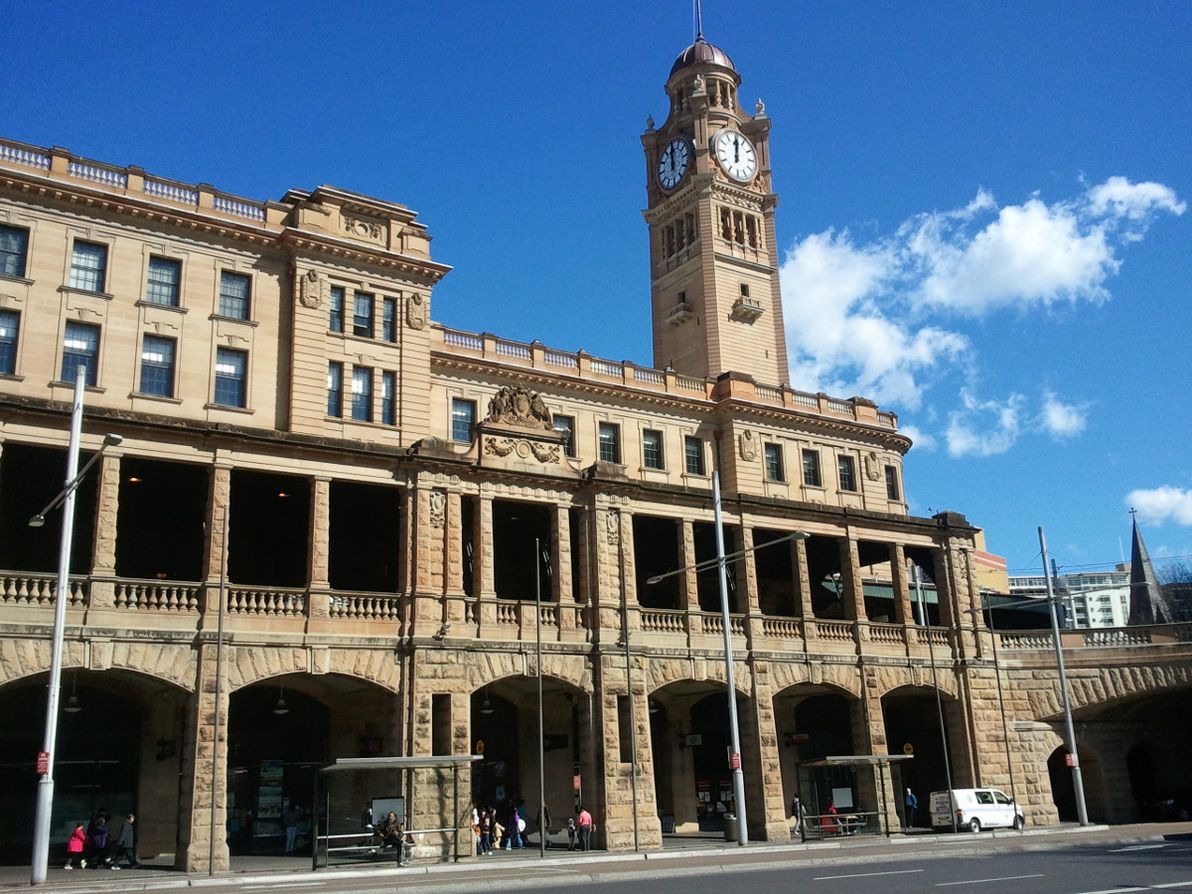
x: 715, y: 295
x: 1148, y: 602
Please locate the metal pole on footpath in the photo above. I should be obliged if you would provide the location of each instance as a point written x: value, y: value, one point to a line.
x: 1077, y: 780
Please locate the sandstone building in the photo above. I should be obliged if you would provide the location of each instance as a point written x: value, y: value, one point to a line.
x: 377, y: 500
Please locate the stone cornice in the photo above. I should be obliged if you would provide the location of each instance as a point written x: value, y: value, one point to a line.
x: 430, y: 271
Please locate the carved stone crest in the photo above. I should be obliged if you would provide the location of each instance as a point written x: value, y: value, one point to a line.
x: 612, y: 527
x: 748, y: 442
x: 873, y: 470
x: 416, y: 311
x: 544, y: 453
x: 518, y: 406
x: 310, y: 289
x: 438, y: 508
x: 362, y: 228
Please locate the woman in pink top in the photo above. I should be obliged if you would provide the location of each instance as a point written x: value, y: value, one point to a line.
x: 583, y: 821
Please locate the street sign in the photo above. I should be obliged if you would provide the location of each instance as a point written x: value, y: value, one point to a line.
x: 908, y: 748
x: 734, y: 760
x: 575, y: 780
x: 43, y: 763
x: 800, y: 738
x: 1070, y: 760
x: 480, y: 746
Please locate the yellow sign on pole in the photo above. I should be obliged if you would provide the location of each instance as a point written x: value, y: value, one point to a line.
x: 908, y: 748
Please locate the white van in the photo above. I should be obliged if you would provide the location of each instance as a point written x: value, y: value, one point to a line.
x: 976, y: 809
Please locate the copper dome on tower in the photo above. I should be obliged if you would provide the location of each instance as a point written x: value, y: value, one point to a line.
x: 702, y: 52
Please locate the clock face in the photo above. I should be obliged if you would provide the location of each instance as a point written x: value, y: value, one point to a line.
x: 676, y: 157
x: 736, y: 155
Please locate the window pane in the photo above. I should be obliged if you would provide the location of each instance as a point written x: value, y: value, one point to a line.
x: 362, y: 315
x: 892, y: 491
x: 233, y: 295
x: 336, y: 322
x: 389, y: 320
x: 164, y: 277
x: 565, y: 425
x: 80, y: 347
x: 362, y: 393
x: 610, y: 442
x: 335, y: 389
x: 388, y: 389
x: 9, y: 325
x: 463, y: 419
x: 230, y: 377
x: 157, y: 366
x: 848, y: 473
x: 811, y: 468
x: 774, y: 469
x: 14, y: 243
x: 652, y: 449
x: 88, y: 263
x: 693, y: 448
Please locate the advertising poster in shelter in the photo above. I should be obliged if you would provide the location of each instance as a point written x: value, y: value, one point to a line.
x: 269, y: 799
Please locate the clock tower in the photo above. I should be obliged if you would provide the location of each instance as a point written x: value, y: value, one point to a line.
x: 716, y: 303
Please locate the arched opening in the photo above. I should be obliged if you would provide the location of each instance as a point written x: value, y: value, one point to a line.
x: 913, y: 726
x: 118, y: 751
x: 1063, y: 790
x: 504, y: 724
x: 812, y: 723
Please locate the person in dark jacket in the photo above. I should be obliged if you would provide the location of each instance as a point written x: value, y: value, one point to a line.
x: 97, y: 839
x: 126, y: 844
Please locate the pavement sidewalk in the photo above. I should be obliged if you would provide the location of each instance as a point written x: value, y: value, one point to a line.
x: 698, y: 854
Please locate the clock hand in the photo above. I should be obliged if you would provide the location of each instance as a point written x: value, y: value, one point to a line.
x: 736, y: 149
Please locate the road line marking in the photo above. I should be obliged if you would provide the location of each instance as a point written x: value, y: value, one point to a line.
x: 1136, y: 847
x: 1173, y: 885
x: 825, y: 878
x: 1115, y: 891
x: 981, y: 881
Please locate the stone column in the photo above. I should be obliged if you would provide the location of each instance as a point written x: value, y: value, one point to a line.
x: 453, y: 559
x: 219, y: 523
x: 107, y: 504
x: 317, y: 570
x: 850, y: 573
x: 609, y: 596
x: 747, y: 598
x: 869, y: 737
x: 688, y: 581
x: 562, y: 587
x: 764, y: 798
x: 429, y: 525
x: 902, y: 597
x: 803, y: 579
x: 483, y: 556
x: 629, y: 604
x: 202, y: 811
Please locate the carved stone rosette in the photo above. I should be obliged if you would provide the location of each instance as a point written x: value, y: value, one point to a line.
x: 524, y: 448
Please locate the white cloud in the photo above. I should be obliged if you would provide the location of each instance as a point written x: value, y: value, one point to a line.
x: 1159, y: 504
x: 1118, y: 197
x: 1061, y: 420
x: 983, y: 427
x: 883, y: 318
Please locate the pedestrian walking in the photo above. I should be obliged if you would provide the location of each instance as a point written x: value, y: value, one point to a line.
x: 291, y: 817
x: 97, y: 839
x: 126, y: 844
x: 912, y: 804
x: 74, y: 848
x: 798, y: 811
x: 583, y: 823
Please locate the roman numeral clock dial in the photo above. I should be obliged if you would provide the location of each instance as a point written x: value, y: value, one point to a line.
x: 673, y: 164
x: 736, y: 155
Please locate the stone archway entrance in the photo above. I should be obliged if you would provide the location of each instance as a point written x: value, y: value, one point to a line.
x: 119, y: 751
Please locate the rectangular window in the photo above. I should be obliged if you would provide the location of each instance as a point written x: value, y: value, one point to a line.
x: 88, y: 266
x: 157, y: 366
x: 233, y: 295
x: 693, y: 451
x: 388, y: 398
x: 231, y: 378
x: 774, y: 470
x: 10, y: 322
x: 389, y: 319
x: 362, y: 393
x: 811, y: 469
x: 165, y: 278
x: 652, y: 449
x: 362, y: 315
x: 610, y: 442
x: 463, y: 419
x: 335, y: 389
x: 892, y: 490
x: 565, y: 425
x: 14, y: 246
x: 80, y: 347
x: 336, y: 321
x: 847, y: 467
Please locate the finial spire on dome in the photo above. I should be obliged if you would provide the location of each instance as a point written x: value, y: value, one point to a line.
x: 699, y: 20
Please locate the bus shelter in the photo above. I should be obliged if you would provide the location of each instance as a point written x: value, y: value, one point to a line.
x: 854, y: 821
x: 357, y: 841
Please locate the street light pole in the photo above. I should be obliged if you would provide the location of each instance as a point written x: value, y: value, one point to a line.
x: 542, y: 823
x: 1077, y: 780
x: 735, y: 760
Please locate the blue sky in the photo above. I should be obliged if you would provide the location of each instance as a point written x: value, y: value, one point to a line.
x: 983, y: 215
